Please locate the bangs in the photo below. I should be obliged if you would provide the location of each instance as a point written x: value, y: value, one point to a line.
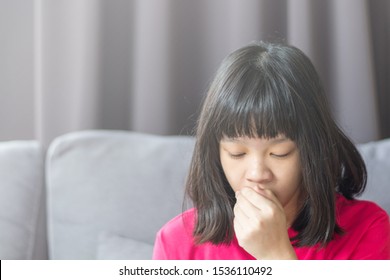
x: 255, y: 107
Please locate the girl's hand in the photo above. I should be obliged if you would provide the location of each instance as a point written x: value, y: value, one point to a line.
x: 260, y: 224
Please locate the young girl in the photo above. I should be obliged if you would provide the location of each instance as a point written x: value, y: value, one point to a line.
x: 272, y: 176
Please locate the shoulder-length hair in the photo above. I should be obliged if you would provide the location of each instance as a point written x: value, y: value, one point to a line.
x: 265, y: 90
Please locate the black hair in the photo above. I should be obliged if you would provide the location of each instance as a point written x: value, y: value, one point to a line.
x: 264, y: 90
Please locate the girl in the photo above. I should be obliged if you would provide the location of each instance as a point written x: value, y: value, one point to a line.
x: 272, y: 176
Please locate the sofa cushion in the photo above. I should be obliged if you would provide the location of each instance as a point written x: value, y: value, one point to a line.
x: 124, y: 182
x: 115, y: 247
x: 21, y: 199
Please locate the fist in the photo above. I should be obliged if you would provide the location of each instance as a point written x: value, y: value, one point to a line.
x: 260, y: 224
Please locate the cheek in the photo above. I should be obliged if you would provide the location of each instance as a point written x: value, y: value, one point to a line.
x: 291, y: 176
x: 232, y: 174
x: 289, y: 183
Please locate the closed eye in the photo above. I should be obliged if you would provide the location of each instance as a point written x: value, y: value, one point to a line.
x: 236, y: 156
x: 280, y: 155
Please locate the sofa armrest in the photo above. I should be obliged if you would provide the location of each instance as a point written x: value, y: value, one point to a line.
x: 22, y: 218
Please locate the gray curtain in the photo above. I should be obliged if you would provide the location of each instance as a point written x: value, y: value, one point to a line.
x: 144, y: 65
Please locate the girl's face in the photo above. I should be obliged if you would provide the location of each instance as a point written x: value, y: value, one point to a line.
x: 272, y: 164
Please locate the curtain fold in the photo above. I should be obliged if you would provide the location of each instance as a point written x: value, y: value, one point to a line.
x: 379, y: 12
x: 145, y: 65
x: 352, y: 75
x: 68, y: 71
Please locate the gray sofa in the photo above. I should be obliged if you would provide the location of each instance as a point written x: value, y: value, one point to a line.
x: 104, y: 194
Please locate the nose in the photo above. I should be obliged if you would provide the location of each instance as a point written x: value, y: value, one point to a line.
x: 259, y: 173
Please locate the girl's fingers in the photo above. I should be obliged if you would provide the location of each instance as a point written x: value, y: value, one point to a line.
x: 261, y: 198
x: 245, y: 208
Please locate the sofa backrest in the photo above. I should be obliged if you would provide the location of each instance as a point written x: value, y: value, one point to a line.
x: 109, y: 192
x: 376, y: 155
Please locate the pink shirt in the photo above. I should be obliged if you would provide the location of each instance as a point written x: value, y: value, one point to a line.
x: 366, y: 236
